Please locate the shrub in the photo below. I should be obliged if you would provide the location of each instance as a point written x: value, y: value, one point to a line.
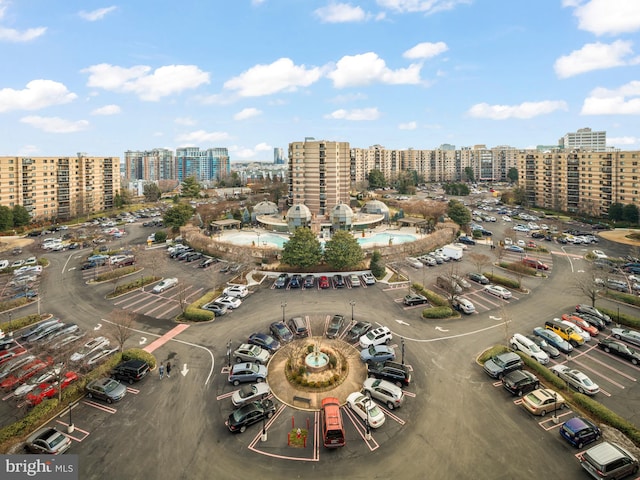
x: 139, y: 354
x: 437, y: 312
x: 310, y: 348
x: 497, y: 279
x: 622, y: 297
x: 433, y: 297
x: 160, y: 236
x: 519, y: 268
x: 495, y: 350
x: 22, y: 322
x: 625, y: 319
x: 133, y: 285
x: 117, y: 273
x: 333, y: 361
x: 301, y: 370
x: 192, y: 314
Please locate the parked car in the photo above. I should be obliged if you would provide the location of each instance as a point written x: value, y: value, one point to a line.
x: 466, y: 240
x: 394, y: 372
x: 338, y: 281
x: 528, y: 347
x: 499, y: 365
x: 130, y: 371
x: 386, y: 392
x: 265, y: 341
x: 415, y: 299
x: 106, y: 389
x: 630, y: 336
x: 165, y: 284
x: 608, y: 461
x: 578, y: 380
x: 582, y: 308
x: 217, y: 309
x: 309, y: 281
x: 90, y: 347
x: 580, y: 431
x: 282, y: 281
x: 549, y: 349
x: 620, y: 349
x: 100, y: 355
x: 296, y: 281
x: 377, y: 353
x: 553, y: 339
x: 478, y: 278
x: 498, y: 291
x: 369, y: 278
x: 463, y: 305
x: 592, y: 320
x: 230, y: 302
x: 519, y: 382
x: 207, y: 262
x: 335, y: 324
x: 581, y: 323
x: 376, y: 336
x: 542, y: 401
x: 250, y: 393
x: 354, y: 280
x: 249, y: 414
x: 25, y: 335
x: 251, y: 353
x: 357, y: 330
x: 48, y: 441
x: 323, y: 282
x: 247, y: 372
x: 366, y: 409
x: 298, y: 327
x: 280, y: 331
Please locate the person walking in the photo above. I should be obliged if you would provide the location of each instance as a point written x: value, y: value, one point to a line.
x: 168, y: 369
x: 161, y: 370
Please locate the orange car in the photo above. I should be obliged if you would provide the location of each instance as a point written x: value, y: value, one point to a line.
x: 583, y: 324
x: 48, y: 390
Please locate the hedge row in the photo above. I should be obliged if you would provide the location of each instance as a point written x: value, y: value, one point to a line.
x: 135, y: 284
x: 499, y: 280
x: 625, y: 319
x: 433, y: 297
x: 438, y: 312
x: 117, y: 273
x: 622, y: 297
x: 21, y: 322
x: 518, y: 267
x: 193, y: 312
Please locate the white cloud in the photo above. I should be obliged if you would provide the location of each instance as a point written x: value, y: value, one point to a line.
x: 622, y: 101
x: 607, y: 16
x: 107, y: 110
x: 28, y: 150
x: 426, y: 6
x: 241, y: 152
x: 37, y: 94
x: 571, y: 3
x: 617, y: 141
x: 186, y: 121
x: 408, y: 126
x: 55, y: 124
x: 98, y: 14
x: 247, y: 113
x: 357, y: 114
x: 594, y: 56
x: 149, y: 86
x: 13, y: 35
x: 367, y: 68
x: 340, y: 13
x: 524, y: 110
x: 279, y: 76
x: 348, y: 97
x: 201, y: 136
x: 263, y: 147
x: 426, y: 50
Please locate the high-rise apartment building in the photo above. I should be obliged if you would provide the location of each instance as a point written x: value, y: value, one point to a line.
x: 580, y: 181
x: 319, y: 174
x: 152, y: 165
x: 278, y: 156
x: 59, y: 187
x: 584, y: 139
x: 205, y: 165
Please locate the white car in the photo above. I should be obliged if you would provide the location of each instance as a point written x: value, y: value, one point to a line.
x: 230, y: 302
x: 239, y: 291
x: 165, y: 284
x: 369, y: 279
x: 498, y: 291
x: 384, y: 391
x: 90, y: 347
x: 250, y: 393
x: 521, y: 243
x: 376, y: 336
x: 100, y: 355
x: 366, y: 409
x: 576, y: 379
x: 251, y: 353
x: 508, y: 241
x: 31, y: 261
x: 28, y: 270
x: 414, y: 262
x: 599, y: 254
x: 521, y: 228
x: 506, y: 218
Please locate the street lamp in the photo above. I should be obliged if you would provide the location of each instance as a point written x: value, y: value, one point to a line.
x: 555, y: 407
x: 366, y: 421
x: 229, y: 353
x: 353, y: 304
x: 258, y: 239
x: 264, y: 421
x: 11, y: 327
x: 402, y: 343
x: 284, y: 306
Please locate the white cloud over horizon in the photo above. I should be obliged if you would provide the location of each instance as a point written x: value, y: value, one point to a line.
x: 367, y: 68
x: 37, y: 94
x: 595, y: 56
x: 425, y: 50
x: 624, y: 100
x: 524, y: 110
x: 107, y: 110
x: 201, y: 136
x: 607, y: 17
x: 246, y: 113
x: 55, y: 124
x: 98, y: 14
x: 340, y: 13
x: 357, y: 114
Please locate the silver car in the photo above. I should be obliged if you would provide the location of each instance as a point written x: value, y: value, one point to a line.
x: 630, y: 336
x: 386, y: 392
x: 48, y: 441
x: 250, y: 393
x: 578, y: 380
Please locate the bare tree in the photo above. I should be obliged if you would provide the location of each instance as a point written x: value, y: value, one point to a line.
x: 156, y: 260
x: 479, y: 260
x: 182, y: 296
x: 121, y: 325
x: 589, y: 285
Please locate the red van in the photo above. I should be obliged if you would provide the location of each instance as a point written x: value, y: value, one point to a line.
x: 332, y: 429
x: 533, y: 263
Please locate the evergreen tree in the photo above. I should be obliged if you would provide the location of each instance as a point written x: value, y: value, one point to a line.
x: 376, y: 266
x: 343, y: 251
x: 303, y: 249
x: 21, y: 216
x: 459, y: 213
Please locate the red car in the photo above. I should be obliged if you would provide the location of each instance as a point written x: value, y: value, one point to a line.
x: 583, y: 324
x: 49, y: 390
x: 23, y: 374
x: 323, y: 282
x: 9, y: 354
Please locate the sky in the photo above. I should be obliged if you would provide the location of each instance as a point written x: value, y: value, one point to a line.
x: 250, y: 75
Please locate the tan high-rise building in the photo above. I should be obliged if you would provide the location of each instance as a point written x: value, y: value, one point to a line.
x: 59, y: 188
x: 319, y: 174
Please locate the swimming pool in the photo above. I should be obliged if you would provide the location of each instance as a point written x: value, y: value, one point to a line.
x: 382, y: 239
x: 278, y: 241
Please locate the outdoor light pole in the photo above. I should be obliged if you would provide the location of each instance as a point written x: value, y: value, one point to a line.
x: 229, y: 353
x: 402, y: 343
x: 10, y: 324
x: 366, y: 421
x: 264, y: 422
x: 284, y: 306
x: 555, y: 408
x: 353, y: 304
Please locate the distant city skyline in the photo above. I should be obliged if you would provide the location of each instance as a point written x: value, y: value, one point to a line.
x: 399, y: 73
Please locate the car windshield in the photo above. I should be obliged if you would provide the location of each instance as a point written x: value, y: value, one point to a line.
x: 268, y: 341
x: 111, y: 386
x: 372, y: 350
x: 240, y: 413
x: 374, y: 411
x: 247, y: 391
x: 586, y: 381
x: 55, y: 440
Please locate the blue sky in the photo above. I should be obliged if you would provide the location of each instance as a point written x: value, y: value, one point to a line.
x: 251, y: 75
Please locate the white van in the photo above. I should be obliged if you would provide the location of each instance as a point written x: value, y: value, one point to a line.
x: 528, y: 347
x: 4, y: 264
x: 414, y: 262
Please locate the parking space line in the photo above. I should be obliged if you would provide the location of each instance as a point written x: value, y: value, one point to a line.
x: 99, y: 406
x: 629, y: 377
x: 391, y: 415
x: 586, y: 367
x: 75, y: 429
x: 226, y: 395
x: 166, y: 337
x: 372, y: 444
x: 554, y: 423
x: 409, y: 394
x: 133, y: 391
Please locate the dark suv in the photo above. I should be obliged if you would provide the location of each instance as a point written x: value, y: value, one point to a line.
x: 131, y: 371
x: 394, y: 372
x: 520, y: 382
x: 499, y: 365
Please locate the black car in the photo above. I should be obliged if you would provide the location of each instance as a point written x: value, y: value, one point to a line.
x: 592, y: 320
x: 249, y: 414
x: 281, y: 332
x: 415, y: 299
x: 309, y: 281
x: 519, y: 382
x: 359, y: 329
x: 338, y: 281
x: 620, y: 349
x: 265, y: 341
x: 130, y: 371
x: 193, y: 256
x: 537, y: 235
x: 334, y: 326
x: 282, y: 281
x: 478, y: 278
x: 296, y: 281
x: 549, y: 349
x: 466, y: 240
x: 394, y: 372
x: 207, y: 262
